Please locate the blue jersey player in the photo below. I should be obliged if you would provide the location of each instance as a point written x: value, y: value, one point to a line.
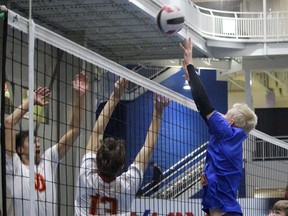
x: 222, y: 174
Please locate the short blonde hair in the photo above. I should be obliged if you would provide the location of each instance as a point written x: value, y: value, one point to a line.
x: 281, y: 205
x: 244, y: 117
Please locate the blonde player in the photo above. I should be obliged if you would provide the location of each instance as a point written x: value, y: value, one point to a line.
x: 280, y: 208
x: 222, y: 174
x: 17, y: 155
x: 101, y: 189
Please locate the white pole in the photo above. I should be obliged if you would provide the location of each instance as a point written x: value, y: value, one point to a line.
x: 31, y: 111
x: 265, y: 26
x: 248, y: 91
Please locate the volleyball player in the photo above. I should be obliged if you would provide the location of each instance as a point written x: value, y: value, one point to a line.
x: 280, y: 208
x: 17, y: 155
x: 222, y: 174
x: 102, y: 189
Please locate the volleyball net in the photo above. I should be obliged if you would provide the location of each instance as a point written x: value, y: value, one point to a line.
x: 181, y: 143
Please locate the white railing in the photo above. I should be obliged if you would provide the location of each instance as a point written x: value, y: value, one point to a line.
x: 248, y: 26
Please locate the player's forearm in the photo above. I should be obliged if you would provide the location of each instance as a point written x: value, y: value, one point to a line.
x: 153, y: 134
x: 106, y: 113
x: 102, y: 121
x: 151, y: 140
x: 10, y: 122
x: 198, y: 93
x: 77, y: 113
x: 17, y: 114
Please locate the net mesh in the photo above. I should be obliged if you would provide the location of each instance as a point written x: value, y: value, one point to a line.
x: 181, y: 139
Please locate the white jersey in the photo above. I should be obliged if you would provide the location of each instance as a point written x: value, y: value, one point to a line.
x: 96, y: 197
x: 18, y: 188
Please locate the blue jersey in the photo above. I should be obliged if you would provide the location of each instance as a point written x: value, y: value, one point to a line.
x: 223, y: 168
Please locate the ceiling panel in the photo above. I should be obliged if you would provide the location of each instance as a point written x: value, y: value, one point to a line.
x: 115, y: 29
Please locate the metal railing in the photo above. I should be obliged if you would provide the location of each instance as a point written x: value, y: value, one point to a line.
x: 179, y: 177
x: 233, y: 26
x: 267, y: 151
x: 248, y: 26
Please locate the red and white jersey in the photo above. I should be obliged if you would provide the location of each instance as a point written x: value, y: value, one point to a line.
x: 18, y: 188
x: 96, y: 197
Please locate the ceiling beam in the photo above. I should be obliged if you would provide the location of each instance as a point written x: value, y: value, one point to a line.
x: 265, y: 63
x: 223, y: 44
x: 253, y: 49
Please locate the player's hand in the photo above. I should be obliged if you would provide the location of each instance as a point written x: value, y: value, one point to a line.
x: 187, y: 51
x: 160, y: 102
x: 41, y: 96
x: 80, y: 83
x: 120, y: 86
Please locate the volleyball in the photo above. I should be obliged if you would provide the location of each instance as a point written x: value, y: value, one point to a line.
x: 170, y: 19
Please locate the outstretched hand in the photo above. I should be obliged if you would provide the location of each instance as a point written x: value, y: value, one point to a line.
x: 120, y: 86
x: 80, y: 83
x: 41, y: 96
x: 160, y: 102
x: 187, y: 55
x: 187, y: 51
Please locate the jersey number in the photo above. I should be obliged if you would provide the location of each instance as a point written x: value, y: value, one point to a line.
x: 96, y: 200
x: 39, y: 182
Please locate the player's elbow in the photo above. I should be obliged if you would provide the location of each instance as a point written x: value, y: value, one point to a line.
x: 8, y: 123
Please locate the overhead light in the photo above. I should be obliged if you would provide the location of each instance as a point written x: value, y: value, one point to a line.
x: 186, y: 85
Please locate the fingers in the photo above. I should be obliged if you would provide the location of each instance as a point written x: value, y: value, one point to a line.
x: 183, y: 48
x: 81, y: 77
x: 47, y: 92
x: 161, y: 99
x: 122, y: 83
x: 187, y: 44
x: 80, y: 83
x: 44, y: 91
x: 190, y: 45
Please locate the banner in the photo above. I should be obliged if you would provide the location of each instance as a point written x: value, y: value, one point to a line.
x: 192, y: 207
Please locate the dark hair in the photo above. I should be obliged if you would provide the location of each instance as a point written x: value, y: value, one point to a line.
x: 111, y: 157
x: 20, y: 138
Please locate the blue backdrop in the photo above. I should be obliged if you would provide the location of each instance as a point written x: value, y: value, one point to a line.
x: 170, y: 150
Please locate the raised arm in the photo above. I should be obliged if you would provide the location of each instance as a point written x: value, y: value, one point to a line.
x: 197, y: 89
x: 41, y: 96
x: 143, y: 157
x: 80, y: 86
x: 94, y: 141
